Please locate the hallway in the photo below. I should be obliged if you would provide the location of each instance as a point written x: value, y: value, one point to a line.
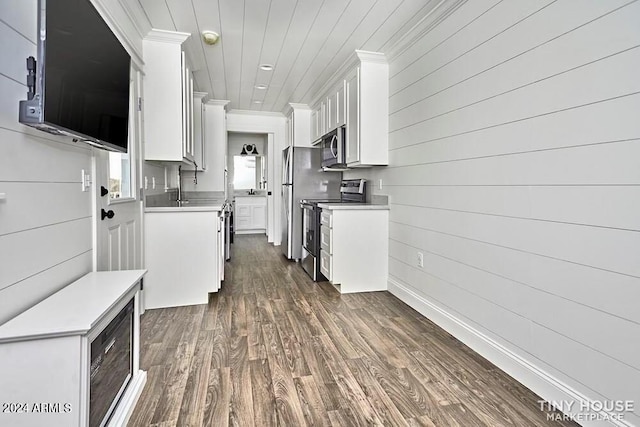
x: 274, y: 348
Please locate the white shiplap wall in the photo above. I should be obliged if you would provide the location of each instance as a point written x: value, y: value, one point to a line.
x: 46, y: 237
x: 515, y: 168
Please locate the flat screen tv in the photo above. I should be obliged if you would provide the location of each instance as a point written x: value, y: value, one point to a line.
x: 79, y: 84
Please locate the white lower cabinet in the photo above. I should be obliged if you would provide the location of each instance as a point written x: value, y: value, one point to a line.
x: 181, y: 252
x: 354, y: 248
x: 250, y: 214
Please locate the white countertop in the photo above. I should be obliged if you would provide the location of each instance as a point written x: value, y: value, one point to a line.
x: 74, y: 309
x: 193, y: 205
x: 352, y: 206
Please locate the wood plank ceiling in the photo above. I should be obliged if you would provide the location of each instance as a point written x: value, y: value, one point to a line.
x: 306, y: 41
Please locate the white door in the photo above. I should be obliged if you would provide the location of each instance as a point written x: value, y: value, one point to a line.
x: 119, y: 213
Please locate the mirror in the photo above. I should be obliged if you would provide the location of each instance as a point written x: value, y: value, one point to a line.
x: 249, y: 172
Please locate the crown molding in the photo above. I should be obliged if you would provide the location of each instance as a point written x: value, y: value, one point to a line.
x: 359, y: 57
x: 294, y: 106
x: 257, y: 113
x: 166, y: 36
x: 424, y: 26
x: 218, y: 102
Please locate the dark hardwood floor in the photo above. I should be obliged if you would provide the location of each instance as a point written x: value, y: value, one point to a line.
x: 274, y: 348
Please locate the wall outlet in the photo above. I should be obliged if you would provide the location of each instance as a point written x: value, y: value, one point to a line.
x: 153, y: 182
x: 380, y: 184
x: 146, y: 182
x: 420, y: 259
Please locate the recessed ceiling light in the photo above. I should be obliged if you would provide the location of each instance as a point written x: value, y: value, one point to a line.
x: 266, y: 67
x: 261, y: 86
x: 257, y: 102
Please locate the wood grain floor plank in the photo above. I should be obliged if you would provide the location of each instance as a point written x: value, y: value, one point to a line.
x: 287, y: 401
x: 238, y: 317
x: 216, y: 409
x: 292, y: 349
x: 264, y: 402
x: 195, y: 392
x: 254, y: 329
x: 378, y: 398
x: 354, y: 401
x: 241, y: 405
x: 311, y: 402
x: 168, y: 408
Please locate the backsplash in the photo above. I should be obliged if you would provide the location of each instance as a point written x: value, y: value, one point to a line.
x: 162, y: 199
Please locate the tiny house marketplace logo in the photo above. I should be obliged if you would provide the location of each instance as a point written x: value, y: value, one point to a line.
x: 594, y: 410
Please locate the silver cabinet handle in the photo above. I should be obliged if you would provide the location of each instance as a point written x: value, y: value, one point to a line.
x: 334, y: 140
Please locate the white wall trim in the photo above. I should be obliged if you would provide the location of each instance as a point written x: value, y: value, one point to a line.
x: 540, y: 382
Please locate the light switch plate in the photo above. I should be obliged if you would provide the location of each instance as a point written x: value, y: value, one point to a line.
x: 86, y: 181
x: 380, y: 184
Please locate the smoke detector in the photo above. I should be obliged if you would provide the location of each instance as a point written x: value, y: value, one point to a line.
x: 210, y: 37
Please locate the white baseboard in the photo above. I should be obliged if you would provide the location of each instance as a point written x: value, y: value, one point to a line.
x: 125, y: 408
x: 540, y: 382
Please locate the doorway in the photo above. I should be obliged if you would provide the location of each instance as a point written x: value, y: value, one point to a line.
x: 250, y: 182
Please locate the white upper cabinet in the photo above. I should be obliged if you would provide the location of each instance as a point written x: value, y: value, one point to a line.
x: 300, y: 125
x: 368, y: 111
x: 359, y: 100
x: 168, y: 98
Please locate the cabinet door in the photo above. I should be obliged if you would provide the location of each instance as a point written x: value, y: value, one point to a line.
x: 323, y: 118
x: 332, y: 111
x: 243, y: 211
x: 184, y: 105
x: 353, y: 117
x: 199, y: 146
x: 341, y: 119
x: 314, y: 125
x: 326, y: 265
x: 290, y: 141
x: 259, y: 217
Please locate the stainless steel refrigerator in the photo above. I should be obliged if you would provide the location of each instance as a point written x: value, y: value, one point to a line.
x: 302, y: 178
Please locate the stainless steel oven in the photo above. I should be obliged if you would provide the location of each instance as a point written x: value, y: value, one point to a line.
x: 351, y: 191
x: 311, y: 236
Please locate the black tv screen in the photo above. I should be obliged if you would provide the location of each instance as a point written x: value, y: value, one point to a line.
x: 84, y: 75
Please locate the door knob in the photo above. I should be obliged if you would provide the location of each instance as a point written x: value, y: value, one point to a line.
x: 107, y: 214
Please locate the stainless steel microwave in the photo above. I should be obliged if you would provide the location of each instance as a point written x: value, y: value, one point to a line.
x: 333, y: 148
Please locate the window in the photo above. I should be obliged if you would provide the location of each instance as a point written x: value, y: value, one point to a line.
x: 119, y: 176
